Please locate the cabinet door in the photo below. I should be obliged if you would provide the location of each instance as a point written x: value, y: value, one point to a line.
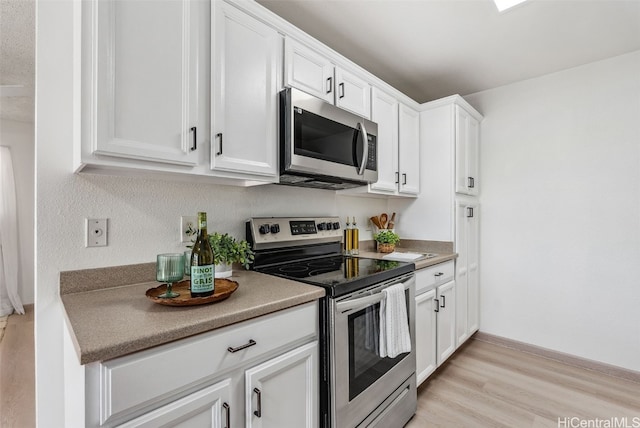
x: 144, y: 80
x: 283, y: 391
x: 462, y: 273
x: 245, y: 72
x: 473, y: 274
x: 425, y: 335
x: 409, y: 150
x: 352, y: 93
x: 308, y: 71
x: 473, y: 143
x: 384, y: 111
x: 446, y: 336
x: 209, y: 407
x: 467, y: 139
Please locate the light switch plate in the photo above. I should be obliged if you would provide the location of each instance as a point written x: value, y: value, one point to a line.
x: 96, y: 232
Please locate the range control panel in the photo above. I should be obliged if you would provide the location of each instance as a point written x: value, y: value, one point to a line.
x: 271, y: 232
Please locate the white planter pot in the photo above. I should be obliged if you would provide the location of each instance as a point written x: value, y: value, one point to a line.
x: 223, y: 270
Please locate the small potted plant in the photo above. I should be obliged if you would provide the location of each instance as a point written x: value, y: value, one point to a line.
x: 227, y: 251
x: 387, y: 240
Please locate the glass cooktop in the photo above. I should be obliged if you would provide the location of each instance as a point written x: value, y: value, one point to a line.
x: 340, y: 274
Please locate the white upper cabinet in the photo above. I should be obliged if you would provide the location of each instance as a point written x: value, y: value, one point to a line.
x: 142, y: 82
x: 308, y: 71
x: 384, y: 111
x: 398, y: 147
x: 467, y: 140
x: 409, y: 149
x: 245, y: 74
x: 352, y: 93
x: 311, y: 72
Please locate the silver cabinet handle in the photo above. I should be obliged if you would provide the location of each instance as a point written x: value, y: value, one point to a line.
x: 329, y: 85
x: 219, y: 135
x: 240, y: 348
x: 397, y: 177
x: 404, y: 178
x: 437, y: 309
x: 444, y: 304
x: 258, y: 412
x: 469, y: 211
x: 438, y: 274
x: 341, y: 86
x: 194, y: 146
x: 365, y: 151
x: 227, y: 409
x: 471, y: 182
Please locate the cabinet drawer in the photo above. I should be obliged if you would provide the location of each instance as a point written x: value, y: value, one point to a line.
x: 136, y: 381
x: 433, y: 276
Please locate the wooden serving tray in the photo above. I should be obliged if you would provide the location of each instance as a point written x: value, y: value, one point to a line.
x: 223, y: 289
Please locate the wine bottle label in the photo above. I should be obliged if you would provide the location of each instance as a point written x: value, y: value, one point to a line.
x: 202, y: 278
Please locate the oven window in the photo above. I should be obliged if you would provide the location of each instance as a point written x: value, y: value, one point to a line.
x: 365, y: 365
x: 321, y: 138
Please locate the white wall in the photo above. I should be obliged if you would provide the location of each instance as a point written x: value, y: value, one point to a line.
x: 144, y: 215
x: 18, y: 136
x: 560, y: 202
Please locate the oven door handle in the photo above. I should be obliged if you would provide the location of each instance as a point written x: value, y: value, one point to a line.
x: 362, y: 302
x: 359, y: 303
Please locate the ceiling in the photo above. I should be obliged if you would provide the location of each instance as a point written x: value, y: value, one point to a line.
x: 427, y: 49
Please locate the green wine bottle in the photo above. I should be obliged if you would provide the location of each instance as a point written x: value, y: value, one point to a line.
x: 202, y: 267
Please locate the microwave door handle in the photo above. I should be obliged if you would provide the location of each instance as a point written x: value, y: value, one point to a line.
x: 365, y: 151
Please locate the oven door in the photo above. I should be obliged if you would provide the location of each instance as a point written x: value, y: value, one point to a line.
x: 321, y: 139
x: 362, y: 379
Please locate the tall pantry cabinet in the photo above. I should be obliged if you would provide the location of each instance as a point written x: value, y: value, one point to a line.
x: 450, y: 133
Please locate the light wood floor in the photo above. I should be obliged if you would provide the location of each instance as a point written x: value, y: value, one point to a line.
x: 487, y: 385
x: 17, y: 372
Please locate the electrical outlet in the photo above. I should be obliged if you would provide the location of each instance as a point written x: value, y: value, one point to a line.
x: 188, y: 228
x: 96, y: 232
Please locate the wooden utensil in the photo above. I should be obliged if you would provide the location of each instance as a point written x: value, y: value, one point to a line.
x: 383, y: 220
x: 392, y: 223
x: 376, y: 221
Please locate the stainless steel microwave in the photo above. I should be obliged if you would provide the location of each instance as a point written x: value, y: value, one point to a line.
x: 324, y: 146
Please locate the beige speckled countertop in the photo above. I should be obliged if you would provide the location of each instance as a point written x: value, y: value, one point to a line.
x: 444, y: 251
x: 110, y: 322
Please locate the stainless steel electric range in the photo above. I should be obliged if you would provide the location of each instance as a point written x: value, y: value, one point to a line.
x: 358, y: 387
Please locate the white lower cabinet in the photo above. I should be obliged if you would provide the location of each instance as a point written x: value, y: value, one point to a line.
x: 208, y: 407
x: 435, y: 318
x: 282, y: 392
x: 467, y: 272
x: 258, y: 373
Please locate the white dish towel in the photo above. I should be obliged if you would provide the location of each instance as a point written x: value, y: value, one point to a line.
x: 394, y: 327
